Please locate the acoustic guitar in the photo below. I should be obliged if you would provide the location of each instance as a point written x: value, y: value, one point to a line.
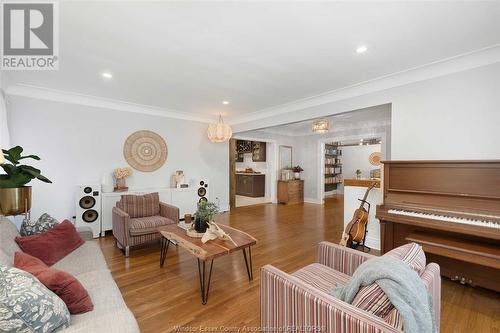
x: 355, y: 229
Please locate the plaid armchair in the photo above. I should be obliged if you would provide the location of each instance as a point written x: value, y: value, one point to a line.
x: 136, y: 219
x: 301, y: 301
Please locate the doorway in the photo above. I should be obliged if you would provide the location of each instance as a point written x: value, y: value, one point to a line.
x: 252, y: 171
x: 351, y: 157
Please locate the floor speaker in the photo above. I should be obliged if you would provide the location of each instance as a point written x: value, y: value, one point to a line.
x: 88, y: 207
x: 203, y: 190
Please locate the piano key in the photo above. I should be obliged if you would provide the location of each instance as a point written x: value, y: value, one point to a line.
x: 447, y: 218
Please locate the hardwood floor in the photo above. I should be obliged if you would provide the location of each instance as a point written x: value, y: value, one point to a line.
x: 165, y: 298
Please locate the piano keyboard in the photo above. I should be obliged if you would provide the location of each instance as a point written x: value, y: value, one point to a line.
x: 447, y: 218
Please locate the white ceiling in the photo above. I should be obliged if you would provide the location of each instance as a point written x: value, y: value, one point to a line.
x: 190, y: 56
x: 363, y: 119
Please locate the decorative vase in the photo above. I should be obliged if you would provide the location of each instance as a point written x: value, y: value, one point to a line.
x: 120, y: 184
x: 297, y: 175
x: 200, y: 225
x: 15, y: 201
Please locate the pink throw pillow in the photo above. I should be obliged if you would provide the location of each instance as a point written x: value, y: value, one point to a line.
x: 53, y: 245
x: 372, y: 298
x: 63, y: 284
x: 411, y: 254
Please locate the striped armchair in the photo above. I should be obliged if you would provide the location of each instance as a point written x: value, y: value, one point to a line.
x: 136, y: 219
x: 301, y: 301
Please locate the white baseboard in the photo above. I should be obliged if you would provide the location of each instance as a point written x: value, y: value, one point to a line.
x: 313, y: 201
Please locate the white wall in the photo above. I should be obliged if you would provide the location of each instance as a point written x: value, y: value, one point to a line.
x: 454, y: 116
x: 356, y: 157
x: 79, y: 144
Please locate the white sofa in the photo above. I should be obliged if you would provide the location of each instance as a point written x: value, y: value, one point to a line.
x: 87, y: 264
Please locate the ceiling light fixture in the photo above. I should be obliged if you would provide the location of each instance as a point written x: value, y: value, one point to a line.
x: 321, y: 126
x: 361, y: 49
x: 107, y: 75
x: 225, y: 102
x: 219, y: 132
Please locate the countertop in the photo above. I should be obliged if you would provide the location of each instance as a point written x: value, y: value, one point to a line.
x: 250, y: 173
x: 362, y: 182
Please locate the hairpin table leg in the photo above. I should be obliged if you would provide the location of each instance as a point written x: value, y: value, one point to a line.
x: 204, y: 282
x: 163, y: 250
x: 248, y: 262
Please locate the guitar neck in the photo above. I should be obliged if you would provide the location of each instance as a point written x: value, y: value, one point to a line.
x: 366, y: 194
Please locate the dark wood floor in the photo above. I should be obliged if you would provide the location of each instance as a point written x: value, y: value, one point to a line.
x: 163, y: 298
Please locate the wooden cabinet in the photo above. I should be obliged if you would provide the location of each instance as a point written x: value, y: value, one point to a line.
x: 258, y: 151
x: 290, y: 191
x: 256, y: 148
x: 243, y: 146
x: 252, y: 185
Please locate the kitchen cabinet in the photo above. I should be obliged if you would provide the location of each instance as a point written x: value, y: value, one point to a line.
x: 251, y: 185
x: 258, y: 151
x: 243, y: 146
x: 256, y: 148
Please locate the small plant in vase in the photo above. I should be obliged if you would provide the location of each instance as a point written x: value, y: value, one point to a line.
x: 204, y: 214
x: 120, y: 175
x: 358, y: 173
x: 296, y: 171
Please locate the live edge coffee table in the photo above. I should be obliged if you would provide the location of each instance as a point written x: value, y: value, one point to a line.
x: 207, y: 252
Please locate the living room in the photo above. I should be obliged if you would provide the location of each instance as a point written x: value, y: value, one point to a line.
x: 119, y: 187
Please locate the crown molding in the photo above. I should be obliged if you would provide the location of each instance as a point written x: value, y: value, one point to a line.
x: 477, y: 58
x: 470, y: 60
x: 37, y: 92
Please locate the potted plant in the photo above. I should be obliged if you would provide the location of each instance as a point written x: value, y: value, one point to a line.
x: 358, y: 173
x: 15, y: 196
x: 204, y: 214
x: 297, y: 170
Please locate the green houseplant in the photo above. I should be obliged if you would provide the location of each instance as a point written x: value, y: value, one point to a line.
x: 204, y: 214
x: 297, y: 170
x: 15, y: 196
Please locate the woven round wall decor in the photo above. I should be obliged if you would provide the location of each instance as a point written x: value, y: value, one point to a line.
x: 374, y: 158
x: 145, y: 151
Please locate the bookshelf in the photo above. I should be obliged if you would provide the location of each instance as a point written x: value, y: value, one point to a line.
x: 333, y: 166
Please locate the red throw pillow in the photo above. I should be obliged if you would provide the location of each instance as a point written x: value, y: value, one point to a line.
x: 53, y: 245
x: 63, y: 284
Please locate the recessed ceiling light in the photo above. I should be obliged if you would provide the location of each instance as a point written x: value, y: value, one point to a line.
x: 107, y: 75
x: 225, y: 102
x: 361, y: 49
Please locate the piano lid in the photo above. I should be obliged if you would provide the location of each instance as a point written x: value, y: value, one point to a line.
x: 466, y: 186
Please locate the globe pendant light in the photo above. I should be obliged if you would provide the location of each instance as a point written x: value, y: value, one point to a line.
x: 219, y: 132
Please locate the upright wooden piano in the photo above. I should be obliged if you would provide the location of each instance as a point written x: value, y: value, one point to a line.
x: 452, y: 209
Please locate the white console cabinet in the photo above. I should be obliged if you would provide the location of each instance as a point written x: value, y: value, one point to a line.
x: 184, y: 198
